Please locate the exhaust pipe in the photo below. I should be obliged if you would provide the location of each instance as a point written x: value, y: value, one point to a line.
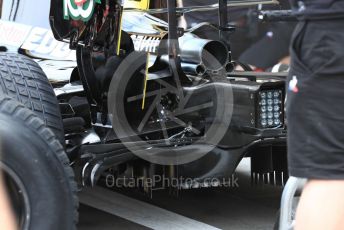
x: 189, y: 68
x: 213, y: 55
x: 193, y: 69
x: 229, y: 67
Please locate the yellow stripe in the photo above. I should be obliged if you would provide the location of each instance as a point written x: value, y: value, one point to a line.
x: 145, y: 83
x: 119, y: 36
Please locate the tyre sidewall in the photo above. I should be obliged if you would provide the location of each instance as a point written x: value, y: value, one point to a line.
x: 41, y: 173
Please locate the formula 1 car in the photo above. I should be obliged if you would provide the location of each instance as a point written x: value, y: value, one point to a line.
x: 146, y: 100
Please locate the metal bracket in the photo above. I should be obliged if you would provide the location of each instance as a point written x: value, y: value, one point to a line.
x: 173, y: 44
x: 223, y: 19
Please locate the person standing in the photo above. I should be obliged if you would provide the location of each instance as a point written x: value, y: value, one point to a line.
x: 315, y: 112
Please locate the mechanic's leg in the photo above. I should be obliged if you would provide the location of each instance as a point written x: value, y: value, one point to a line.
x: 321, y: 206
x: 6, y: 218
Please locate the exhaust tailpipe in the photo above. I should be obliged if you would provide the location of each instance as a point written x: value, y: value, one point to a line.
x: 213, y: 55
x: 194, y: 69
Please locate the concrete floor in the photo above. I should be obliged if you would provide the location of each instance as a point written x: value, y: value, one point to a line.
x: 243, y: 208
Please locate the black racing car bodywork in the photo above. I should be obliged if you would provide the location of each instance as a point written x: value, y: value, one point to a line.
x: 105, y: 102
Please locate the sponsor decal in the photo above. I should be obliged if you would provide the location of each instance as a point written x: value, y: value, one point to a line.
x: 293, y: 85
x: 80, y: 2
x: 13, y: 34
x: 41, y: 43
x: 37, y: 42
x: 137, y: 4
x: 146, y: 43
x: 79, y: 9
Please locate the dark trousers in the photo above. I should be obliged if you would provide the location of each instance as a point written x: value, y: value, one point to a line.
x: 315, y: 100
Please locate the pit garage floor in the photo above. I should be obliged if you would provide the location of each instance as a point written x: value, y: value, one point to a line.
x: 244, y: 208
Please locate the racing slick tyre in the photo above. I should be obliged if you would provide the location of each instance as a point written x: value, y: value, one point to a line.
x: 36, y: 171
x: 23, y: 79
